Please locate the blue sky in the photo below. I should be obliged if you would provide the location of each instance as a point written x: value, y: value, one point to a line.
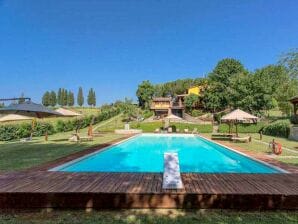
x: 113, y: 45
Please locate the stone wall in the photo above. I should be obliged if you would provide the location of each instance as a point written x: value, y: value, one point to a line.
x: 294, y: 133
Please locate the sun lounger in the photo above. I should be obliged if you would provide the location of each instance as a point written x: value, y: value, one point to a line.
x: 170, y: 130
x: 195, y: 131
x: 26, y: 139
x: 86, y: 138
x: 241, y: 139
x: 186, y: 130
x: 157, y: 130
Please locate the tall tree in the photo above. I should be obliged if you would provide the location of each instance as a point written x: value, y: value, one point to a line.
x: 64, y: 97
x: 53, y: 98
x: 91, y: 99
x: 94, y: 98
x: 220, y: 78
x: 290, y: 61
x: 59, y: 97
x: 145, y: 93
x: 80, y: 98
x: 70, y: 99
x: 46, y: 99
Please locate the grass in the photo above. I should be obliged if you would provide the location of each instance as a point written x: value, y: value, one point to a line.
x: 150, y: 216
x: 17, y: 156
x: 261, y: 148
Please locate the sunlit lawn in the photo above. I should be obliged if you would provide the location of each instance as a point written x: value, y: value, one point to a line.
x: 262, y: 148
x: 16, y: 155
x: 151, y: 216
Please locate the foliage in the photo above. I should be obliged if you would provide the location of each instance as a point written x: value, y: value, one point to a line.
x: 152, y: 126
x: 53, y: 99
x: 145, y: 93
x: 225, y: 69
x: 290, y: 61
x: 190, y: 101
x: 196, y: 113
x: 17, y: 131
x: 216, y: 96
x: 294, y: 119
x: 147, y: 114
x: 242, y: 128
x: 176, y: 87
x: 46, y: 99
x: 91, y: 99
x: 22, y: 130
x: 278, y: 128
x: 80, y: 98
x: 70, y: 99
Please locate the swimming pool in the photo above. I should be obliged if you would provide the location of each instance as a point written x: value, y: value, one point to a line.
x: 145, y: 153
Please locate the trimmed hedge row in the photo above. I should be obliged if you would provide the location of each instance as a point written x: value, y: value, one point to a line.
x: 23, y: 130
x: 152, y: 126
x: 242, y: 128
x: 278, y: 129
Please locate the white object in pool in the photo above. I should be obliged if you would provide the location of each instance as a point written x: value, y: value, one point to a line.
x: 171, y: 175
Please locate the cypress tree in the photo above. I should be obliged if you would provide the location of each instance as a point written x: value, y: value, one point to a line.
x: 80, y: 98
x: 64, y: 99
x: 90, y: 97
x: 59, y: 97
x: 70, y: 99
x: 94, y: 98
x: 53, y: 98
x: 46, y: 99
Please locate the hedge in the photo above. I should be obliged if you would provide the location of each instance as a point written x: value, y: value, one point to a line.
x: 278, y: 129
x: 242, y: 128
x: 23, y: 130
x: 152, y: 126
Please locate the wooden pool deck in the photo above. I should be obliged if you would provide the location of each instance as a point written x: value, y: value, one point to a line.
x: 39, y: 188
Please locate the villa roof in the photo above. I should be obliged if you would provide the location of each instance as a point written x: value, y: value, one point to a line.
x: 67, y: 113
x: 239, y: 115
x: 294, y: 99
x: 162, y: 99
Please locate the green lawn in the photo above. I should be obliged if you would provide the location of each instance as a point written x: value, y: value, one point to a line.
x: 151, y: 216
x: 261, y: 148
x: 18, y: 156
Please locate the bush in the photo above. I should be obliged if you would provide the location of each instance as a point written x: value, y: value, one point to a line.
x: 151, y: 126
x: 147, y: 114
x: 278, y: 129
x: 196, y: 113
x: 294, y: 119
x: 242, y: 128
x: 22, y: 130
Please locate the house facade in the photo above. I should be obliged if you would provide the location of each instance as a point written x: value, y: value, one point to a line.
x: 164, y: 106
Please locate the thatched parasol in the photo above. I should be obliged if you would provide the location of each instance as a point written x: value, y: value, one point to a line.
x: 238, y: 116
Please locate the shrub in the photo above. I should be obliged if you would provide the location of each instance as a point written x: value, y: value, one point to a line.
x: 242, y: 128
x: 196, y: 113
x: 151, y: 126
x: 278, y: 129
x: 22, y: 130
x: 147, y: 114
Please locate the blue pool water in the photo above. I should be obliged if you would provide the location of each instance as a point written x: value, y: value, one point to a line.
x: 145, y: 153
